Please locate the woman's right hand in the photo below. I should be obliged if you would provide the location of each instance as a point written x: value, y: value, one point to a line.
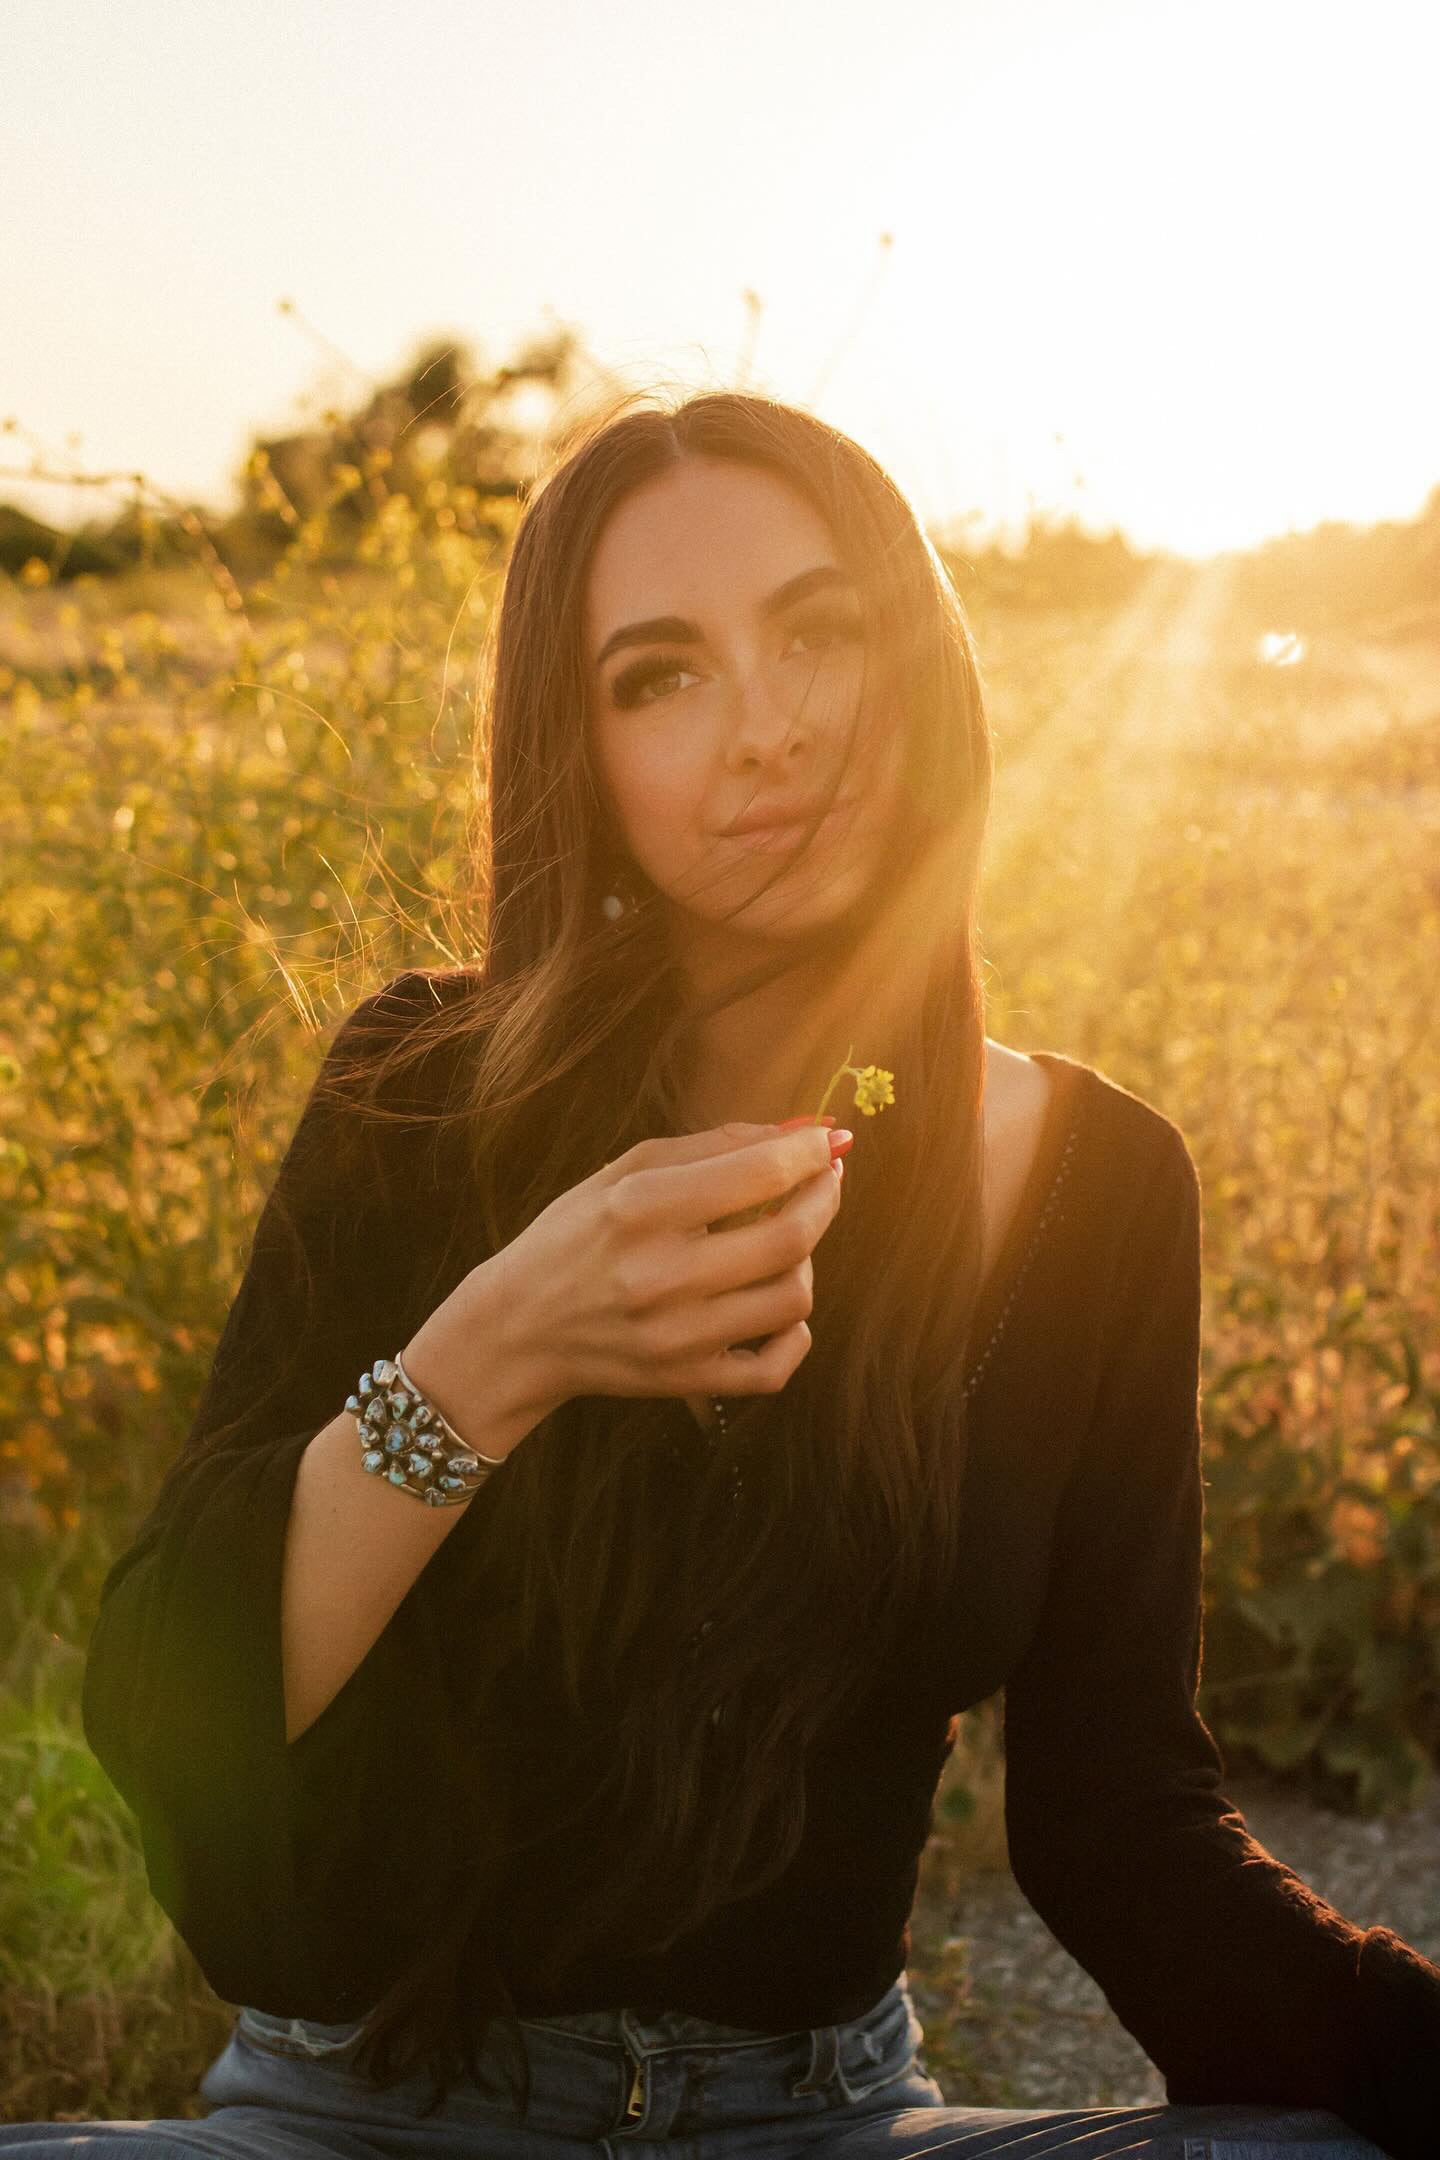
x: 629, y: 1283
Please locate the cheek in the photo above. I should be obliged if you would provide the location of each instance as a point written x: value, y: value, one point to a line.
x: 658, y: 794
x: 885, y: 764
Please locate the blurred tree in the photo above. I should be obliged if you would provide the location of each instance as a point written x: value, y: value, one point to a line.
x: 26, y: 539
x: 442, y: 423
x: 445, y: 435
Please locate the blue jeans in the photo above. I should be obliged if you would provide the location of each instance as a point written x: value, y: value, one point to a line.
x: 280, y: 2089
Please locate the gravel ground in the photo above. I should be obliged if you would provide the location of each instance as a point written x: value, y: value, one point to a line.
x: 1012, y: 2021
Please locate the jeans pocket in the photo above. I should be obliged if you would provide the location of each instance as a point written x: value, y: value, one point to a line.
x: 302, y: 2039
x: 859, y: 2079
x: 882, y: 2051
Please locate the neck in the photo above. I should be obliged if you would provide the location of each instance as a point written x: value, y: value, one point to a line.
x: 741, y: 1066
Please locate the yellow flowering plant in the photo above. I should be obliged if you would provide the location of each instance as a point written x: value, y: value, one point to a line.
x: 874, y: 1092
x: 874, y: 1087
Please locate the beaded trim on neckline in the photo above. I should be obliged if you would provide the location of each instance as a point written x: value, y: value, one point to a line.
x: 1047, y: 1215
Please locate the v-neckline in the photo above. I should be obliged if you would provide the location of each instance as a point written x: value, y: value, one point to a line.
x: 1056, y: 1131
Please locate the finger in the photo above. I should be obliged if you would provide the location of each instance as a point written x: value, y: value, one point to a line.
x: 760, y: 1372
x: 701, y: 1191
x: 679, y: 1149
x: 755, y: 1251
x: 683, y: 1270
x: 737, y: 1319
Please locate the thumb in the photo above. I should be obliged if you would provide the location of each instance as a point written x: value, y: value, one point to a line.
x: 733, y: 1134
x: 789, y: 1124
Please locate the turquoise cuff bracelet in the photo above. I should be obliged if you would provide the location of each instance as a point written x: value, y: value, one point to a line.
x: 411, y: 1444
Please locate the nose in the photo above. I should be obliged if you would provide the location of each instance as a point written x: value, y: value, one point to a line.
x: 766, y: 729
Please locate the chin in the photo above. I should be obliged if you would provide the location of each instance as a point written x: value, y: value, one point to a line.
x: 780, y: 916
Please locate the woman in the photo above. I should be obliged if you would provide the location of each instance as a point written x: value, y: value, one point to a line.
x: 582, y: 1803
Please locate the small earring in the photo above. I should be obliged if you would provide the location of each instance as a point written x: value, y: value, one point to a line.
x: 620, y: 902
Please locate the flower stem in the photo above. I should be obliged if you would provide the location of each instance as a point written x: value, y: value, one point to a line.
x: 835, y: 1080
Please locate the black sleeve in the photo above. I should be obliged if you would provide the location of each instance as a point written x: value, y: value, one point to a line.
x: 295, y: 1874
x: 1240, y: 1983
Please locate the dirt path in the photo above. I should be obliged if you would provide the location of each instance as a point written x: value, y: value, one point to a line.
x: 1012, y: 2021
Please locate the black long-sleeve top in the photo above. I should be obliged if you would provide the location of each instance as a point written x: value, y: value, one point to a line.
x: 291, y: 1874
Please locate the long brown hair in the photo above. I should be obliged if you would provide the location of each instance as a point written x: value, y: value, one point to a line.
x: 571, y: 1040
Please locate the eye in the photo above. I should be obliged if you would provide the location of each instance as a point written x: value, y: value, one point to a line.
x: 830, y: 628
x: 631, y: 683
x: 643, y: 682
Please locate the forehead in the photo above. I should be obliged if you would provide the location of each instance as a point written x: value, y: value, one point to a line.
x: 706, y: 536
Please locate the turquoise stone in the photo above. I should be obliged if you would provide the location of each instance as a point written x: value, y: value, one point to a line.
x: 420, y: 1466
x: 365, y: 1385
x: 353, y: 1405
x: 399, y: 1402
x: 373, y: 1461
x: 395, y: 1474
x: 451, y: 1484
x: 434, y: 1498
x: 396, y: 1443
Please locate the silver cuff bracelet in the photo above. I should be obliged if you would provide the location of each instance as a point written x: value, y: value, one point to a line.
x: 406, y: 1440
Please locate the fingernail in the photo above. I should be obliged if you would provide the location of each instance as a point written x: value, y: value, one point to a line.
x: 790, y: 1123
x: 840, y: 1141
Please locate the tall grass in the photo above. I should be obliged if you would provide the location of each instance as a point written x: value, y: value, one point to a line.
x: 228, y: 809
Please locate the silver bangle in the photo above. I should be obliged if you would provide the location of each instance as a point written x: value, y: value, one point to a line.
x: 408, y: 1441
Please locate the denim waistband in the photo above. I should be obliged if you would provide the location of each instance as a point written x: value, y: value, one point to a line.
x: 609, y: 2074
x: 888, y: 2031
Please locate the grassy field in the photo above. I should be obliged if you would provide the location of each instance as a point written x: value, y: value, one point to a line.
x: 1213, y: 871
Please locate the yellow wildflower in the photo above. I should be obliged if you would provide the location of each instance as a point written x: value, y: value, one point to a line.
x: 874, y: 1088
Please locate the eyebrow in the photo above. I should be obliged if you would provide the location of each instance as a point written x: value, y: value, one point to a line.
x: 675, y: 630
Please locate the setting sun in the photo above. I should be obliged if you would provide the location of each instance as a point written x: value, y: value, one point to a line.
x: 1123, y: 262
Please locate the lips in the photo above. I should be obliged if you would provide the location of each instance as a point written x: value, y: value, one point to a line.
x: 781, y: 820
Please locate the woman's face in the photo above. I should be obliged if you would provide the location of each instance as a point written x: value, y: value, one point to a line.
x: 725, y: 648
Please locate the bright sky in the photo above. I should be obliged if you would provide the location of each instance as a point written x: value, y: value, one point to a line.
x: 1157, y: 264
